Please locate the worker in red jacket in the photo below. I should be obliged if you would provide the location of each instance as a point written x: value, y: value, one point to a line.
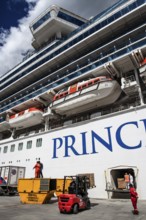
x: 37, y: 168
x: 134, y: 198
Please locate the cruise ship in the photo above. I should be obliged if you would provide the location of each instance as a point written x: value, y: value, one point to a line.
x: 77, y: 101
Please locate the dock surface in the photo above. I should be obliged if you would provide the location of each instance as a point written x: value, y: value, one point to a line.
x: 12, y: 209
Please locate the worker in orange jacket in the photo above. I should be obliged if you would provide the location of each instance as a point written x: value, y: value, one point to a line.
x: 134, y: 198
x: 37, y: 168
x: 127, y: 180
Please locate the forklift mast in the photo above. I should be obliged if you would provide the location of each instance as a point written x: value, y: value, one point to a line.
x: 79, y: 184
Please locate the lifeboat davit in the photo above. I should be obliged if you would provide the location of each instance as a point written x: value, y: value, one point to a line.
x: 142, y: 71
x: 27, y: 118
x: 99, y: 91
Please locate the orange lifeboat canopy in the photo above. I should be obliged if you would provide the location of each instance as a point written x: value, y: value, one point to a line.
x: 79, y: 86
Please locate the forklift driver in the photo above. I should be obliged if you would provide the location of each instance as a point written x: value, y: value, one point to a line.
x: 81, y: 188
x: 72, y: 188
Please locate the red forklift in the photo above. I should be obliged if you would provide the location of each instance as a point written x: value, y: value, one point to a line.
x: 76, y: 197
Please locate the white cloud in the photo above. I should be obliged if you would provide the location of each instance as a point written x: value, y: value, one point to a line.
x: 3, y: 35
x: 17, y: 41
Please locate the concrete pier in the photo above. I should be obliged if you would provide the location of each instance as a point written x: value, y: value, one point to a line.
x: 112, y: 209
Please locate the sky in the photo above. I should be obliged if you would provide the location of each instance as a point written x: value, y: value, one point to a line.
x: 16, y: 15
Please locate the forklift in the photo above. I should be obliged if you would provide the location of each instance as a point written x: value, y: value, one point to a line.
x: 74, y: 198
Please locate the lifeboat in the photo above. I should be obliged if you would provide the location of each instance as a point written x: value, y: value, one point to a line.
x: 97, y: 92
x: 4, y: 126
x: 27, y: 118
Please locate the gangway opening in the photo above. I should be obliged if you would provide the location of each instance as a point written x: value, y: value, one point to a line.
x: 115, y: 184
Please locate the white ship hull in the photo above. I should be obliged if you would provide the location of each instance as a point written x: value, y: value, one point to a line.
x: 96, y: 146
x: 103, y: 94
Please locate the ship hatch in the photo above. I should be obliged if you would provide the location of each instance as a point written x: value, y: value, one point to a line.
x: 115, y: 184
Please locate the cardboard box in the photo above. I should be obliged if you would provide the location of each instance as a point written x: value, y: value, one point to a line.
x: 91, y: 180
x: 121, y: 183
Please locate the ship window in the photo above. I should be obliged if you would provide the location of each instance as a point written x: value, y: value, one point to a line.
x: 29, y: 144
x: 84, y: 86
x: 95, y: 114
x: 20, y: 146
x: 90, y: 83
x: 103, y: 79
x: 96, y: 80
x: 21, y: 113
x: 39, y: 142
x: 5, y: 149
x: 66, y: 93
x: 12, y: 148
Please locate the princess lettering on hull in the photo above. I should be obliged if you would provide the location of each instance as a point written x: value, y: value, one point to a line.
x: 68, y: 142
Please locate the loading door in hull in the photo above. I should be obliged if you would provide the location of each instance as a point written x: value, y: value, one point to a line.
x: 115, y: 182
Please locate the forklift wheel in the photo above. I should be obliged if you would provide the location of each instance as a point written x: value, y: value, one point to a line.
x: 75, y: 209
x: 88, y: 205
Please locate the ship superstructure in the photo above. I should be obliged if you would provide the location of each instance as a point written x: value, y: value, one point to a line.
x: 79, y: 70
